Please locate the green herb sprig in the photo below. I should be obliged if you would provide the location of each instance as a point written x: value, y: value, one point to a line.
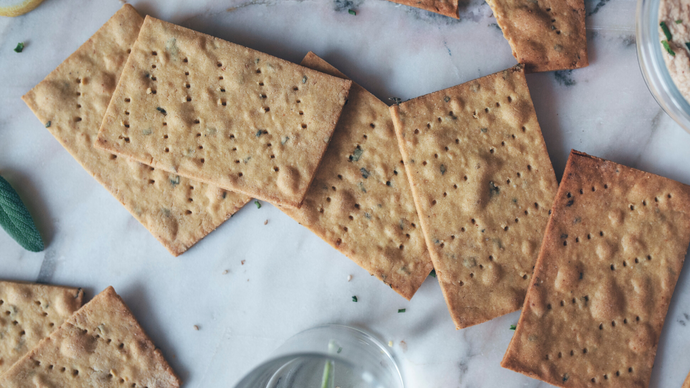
x: 666, y: 31
x: 16, y: 220
x: 354, y: 298
x: 19, y: 48
x: 401, y: 310
x: 258, y: 204
x: 512, y: 327
x: 352, y: 12
x: 433, y: 273
x: 668, y: 48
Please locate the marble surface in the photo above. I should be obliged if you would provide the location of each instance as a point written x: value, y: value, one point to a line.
x: 282, y: 279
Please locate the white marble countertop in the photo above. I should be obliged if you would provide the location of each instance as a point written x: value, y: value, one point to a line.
x: 290, y: 279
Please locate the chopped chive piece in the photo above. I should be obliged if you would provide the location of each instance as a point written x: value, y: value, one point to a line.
x: 19, y: 48
x: 512, y: 327
x: 668, y: 48
x: 401, y: 310
x: 48, y: 124
x: 433, y: 273
x: 679, y: 21
x: 258, y: 204
x: 666, y: 31
x: 352, y: 12
x: 354, y: 298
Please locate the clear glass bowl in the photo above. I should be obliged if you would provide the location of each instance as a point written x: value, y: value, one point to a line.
x: 327, y: 356
x: 653, y: 67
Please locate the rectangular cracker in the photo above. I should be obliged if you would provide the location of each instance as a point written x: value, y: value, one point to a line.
x: 612, y: 253
x: 100, y: 345
x: 545, y: 35
x: 71, y: 102
x: 211, y: 110
x: 360, y: 201
x: 443, y: 7
x: 29, y: 313
x: 482, y: 183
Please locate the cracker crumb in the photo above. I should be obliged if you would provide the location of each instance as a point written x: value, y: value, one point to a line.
x: 243, y: 262
x: 403, y: 346
x: 266, y: 222
x: 390, y: 344
x: 349, y: 277
x: 196, y: 327
x: 225, y: 272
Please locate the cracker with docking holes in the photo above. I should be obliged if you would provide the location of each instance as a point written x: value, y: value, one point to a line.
x: 211, y: 110
x: 482, y: 183
x: 29, y: 313
x: 360, y: 201
x: 102, y: 344
x: 545, y: 35
x: 613, y: 250
x: 443, y: 7
x: 71, y: 103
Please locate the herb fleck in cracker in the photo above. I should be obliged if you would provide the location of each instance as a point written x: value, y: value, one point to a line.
x: 482, y: 182
x: 602, y: 286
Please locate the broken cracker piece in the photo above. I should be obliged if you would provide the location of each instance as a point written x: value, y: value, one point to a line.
x: 214, y: 111
x: 71, y: 102
x: 360, y: 201
x: 613, y: 250
x: 482, y: 183
x: 29, y: 313
x: 101, y: 344
x: 545, y: 35
x: 443, y: 7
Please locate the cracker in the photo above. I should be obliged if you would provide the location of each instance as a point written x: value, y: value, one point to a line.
x: 482, y: 183
x: 611, y: 256
x: 215, y: 111
x: 29, y: 313
x: 100, y: 345
x: 360, y: 201
x: 72, y: 101
x: 444, y: 7
x: 545, y: 35
x: 686, y: 383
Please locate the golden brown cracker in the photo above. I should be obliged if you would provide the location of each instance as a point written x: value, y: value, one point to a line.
x: 100, y: 345
x: 686, y: 383
x: 360, y: 201
x: 211, y: 110
x: 443, y: 7
x: 482, y: 183
x: 29, y: 313
x: 545, y: 35
x: 612, y: 253
x: 71, y: 103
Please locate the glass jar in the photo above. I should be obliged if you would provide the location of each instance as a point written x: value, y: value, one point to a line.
x: 653, y: 67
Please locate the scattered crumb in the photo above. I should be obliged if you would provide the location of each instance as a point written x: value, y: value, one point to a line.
x: 390, y: 344
x: 196, y: 327
x: 266, y: 222
x: 225, y: 272
x: 403, y: 346
x: 242, y: 262
x: 349, y: 277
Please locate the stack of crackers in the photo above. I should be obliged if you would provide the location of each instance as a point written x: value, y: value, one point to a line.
x: 47, y: 339
x: 184, y: 129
